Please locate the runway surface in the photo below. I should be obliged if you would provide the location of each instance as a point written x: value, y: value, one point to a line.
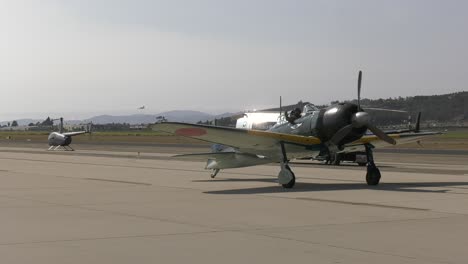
x: 98, y: 206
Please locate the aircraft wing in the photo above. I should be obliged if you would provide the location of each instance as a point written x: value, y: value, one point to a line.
x: 400, y: 138
x: 248, y: 141
x: 69, y: 134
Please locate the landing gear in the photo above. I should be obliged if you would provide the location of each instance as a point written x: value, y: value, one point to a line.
x: 214, y: 172
x: 286, y: 177
x: 64, y: 148
x: 331, y: 152
x: 69, y: 148
x: 373, y: 173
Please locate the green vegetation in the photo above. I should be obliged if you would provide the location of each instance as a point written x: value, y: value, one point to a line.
x: 455, y: 135
x: 142, y: 133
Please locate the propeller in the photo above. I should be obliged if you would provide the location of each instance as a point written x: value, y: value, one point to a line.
x: 358, y: 120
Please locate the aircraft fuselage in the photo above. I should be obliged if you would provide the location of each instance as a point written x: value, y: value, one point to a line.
x: 57, y: 139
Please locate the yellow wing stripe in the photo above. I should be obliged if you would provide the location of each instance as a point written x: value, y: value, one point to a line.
x: 371, y: 138
x: 303, y: 140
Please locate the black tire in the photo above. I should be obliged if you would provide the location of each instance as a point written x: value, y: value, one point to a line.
x: 292, y: 182
x: 373, y: 176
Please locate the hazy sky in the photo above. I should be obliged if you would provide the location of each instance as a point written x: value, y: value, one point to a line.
x: 89, y: 57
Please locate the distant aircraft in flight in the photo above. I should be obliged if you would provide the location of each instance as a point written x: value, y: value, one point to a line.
x: 141, y: 107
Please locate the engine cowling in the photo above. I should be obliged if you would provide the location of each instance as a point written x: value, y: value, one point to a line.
x: 334, y: 118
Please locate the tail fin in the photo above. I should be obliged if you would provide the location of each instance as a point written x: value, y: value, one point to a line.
x: 61, y: 125
x: 418, y: 121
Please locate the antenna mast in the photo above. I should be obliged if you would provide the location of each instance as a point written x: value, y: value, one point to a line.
x: 281, y: 110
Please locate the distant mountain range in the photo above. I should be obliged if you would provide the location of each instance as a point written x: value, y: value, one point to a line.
x: 187, y: 116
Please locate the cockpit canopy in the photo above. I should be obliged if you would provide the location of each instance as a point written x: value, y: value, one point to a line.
x: 309, y: 109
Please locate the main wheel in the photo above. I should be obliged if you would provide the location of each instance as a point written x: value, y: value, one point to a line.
x: 291, y: 183
x: 373, y: 175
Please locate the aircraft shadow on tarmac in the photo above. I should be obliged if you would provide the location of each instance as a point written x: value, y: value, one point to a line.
x: 320, y: 187
x: 341, y: 166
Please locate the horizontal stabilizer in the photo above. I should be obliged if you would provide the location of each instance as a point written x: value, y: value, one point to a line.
x: 225, y: 160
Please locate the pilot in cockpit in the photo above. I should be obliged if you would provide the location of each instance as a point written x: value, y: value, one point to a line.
x: 295, y: 114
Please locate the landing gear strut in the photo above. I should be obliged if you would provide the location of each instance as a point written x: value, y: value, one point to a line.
x: 214, y: 172
x: 286, y: 177
x: 373, y: 173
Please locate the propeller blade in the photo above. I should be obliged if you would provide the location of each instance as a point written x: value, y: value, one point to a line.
x: 359, y: 91
x: 341, y: 134
x: 380, y: 134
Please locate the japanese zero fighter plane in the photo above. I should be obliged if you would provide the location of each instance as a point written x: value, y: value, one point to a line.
x: 340, y: 127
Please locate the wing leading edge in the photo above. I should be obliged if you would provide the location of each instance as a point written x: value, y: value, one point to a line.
x: 400, y: 138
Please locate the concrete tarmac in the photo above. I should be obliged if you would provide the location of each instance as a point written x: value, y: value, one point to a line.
x: 93, y: 206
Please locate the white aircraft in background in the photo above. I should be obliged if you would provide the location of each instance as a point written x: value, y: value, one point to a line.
x: 58, y: 140
x: 258, y: 120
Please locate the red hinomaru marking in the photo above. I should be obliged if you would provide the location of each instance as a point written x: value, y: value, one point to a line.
x: 190, y: 132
